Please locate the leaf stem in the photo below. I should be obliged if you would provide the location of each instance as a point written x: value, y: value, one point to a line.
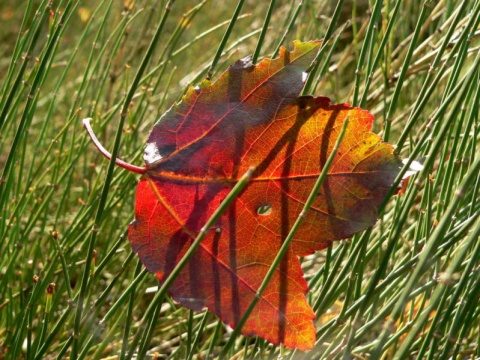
x: 133, y: 168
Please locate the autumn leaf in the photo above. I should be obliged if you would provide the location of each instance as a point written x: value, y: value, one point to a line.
x: 253, y: 116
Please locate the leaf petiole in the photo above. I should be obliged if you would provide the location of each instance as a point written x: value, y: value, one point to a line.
x: 121, y: 163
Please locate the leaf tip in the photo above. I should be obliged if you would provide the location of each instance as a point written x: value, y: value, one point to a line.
x: 306, y: 46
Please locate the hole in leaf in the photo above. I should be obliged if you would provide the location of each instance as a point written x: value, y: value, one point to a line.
x: 264, y: 209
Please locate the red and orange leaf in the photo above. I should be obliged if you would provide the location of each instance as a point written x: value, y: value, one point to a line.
x: 254, y: 116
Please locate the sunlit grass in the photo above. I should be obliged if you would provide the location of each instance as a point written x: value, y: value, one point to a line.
x: 408, y: 287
